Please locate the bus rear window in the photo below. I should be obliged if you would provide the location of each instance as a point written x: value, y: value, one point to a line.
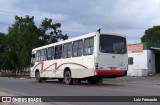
x: 112, y: 44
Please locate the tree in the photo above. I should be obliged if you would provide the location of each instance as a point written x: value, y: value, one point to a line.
x: 152, y: 35
x: 21, y: 39
x: 2, y: 42
x: 50, y: 33
x: 2, y: 47
x: 23, y: 36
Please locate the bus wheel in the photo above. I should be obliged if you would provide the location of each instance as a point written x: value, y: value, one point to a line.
x: 67, y: 78
x: 38, y: 78
x: 60, y: 79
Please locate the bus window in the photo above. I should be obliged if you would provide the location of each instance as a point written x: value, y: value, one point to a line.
x: 80, y: 46
x: 38, y: 55
x: 50, y: 53
x: 43, y: 55
x: 67, y: 50
x: 88, y: 46
x: 113, y: 44
x: 58, y: 52
x: 77, y: 48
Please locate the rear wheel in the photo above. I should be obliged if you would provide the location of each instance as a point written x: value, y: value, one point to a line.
x: 68, y: 78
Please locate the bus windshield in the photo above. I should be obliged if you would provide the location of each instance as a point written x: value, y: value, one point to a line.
x: 113, y: 44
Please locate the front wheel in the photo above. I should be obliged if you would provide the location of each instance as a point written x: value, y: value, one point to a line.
x: 38, y: 78
x: 68, y: 78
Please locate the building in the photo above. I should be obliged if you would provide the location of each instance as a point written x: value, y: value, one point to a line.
x: 143, y: 59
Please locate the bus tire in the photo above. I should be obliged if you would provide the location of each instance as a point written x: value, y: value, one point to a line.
x: 68, y: 78
x: 38, y: 78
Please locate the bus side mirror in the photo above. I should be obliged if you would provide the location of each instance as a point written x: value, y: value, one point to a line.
x: 32, y: 60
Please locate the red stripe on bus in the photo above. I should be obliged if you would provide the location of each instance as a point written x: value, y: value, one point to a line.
x: 42, y: 65
x: 55, y: 65
x: 69, y: 63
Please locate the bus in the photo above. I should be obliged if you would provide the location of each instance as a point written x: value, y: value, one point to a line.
x: 90, y: 57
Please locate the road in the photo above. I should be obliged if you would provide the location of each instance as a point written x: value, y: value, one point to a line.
x: 124, y: 86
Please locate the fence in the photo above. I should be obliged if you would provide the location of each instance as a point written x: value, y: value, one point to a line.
x: 16, y: 73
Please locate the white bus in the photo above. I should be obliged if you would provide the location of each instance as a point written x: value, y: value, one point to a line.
x: 90, y: 57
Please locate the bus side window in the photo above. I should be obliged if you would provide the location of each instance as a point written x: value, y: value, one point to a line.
x: 80, y: 47
x: 77, y: 48
x: 38, y: 55
x: 50, y: 53
x: 67, y: 50
x: 58, y: 52
x: 88, y: 46
x: 43, y: 55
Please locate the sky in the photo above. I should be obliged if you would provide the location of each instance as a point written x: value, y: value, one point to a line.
x: 127, y: 17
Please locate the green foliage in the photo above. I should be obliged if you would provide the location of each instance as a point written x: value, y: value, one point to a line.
x: 152, y: 35
x: 2, y: 47
x: 2, y: 42
x: 22, y: 37
x: 50, y: 32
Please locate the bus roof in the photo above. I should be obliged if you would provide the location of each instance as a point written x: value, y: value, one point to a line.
x: 73, y: 39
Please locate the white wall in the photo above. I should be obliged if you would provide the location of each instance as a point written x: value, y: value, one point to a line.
x: 139, y: 67
x: 143, y: 63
